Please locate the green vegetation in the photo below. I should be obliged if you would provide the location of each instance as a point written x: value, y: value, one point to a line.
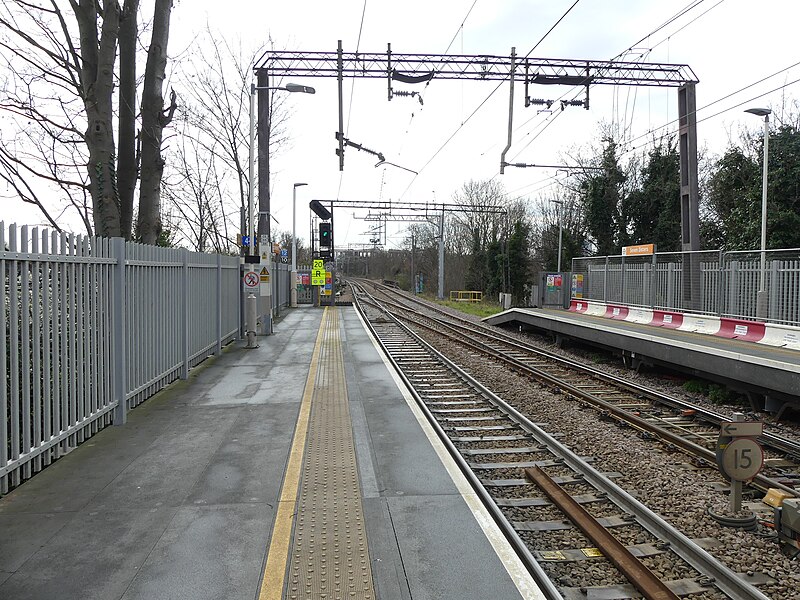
x: 480, y: 309
x: 714, y: 392
x: 695, y: 386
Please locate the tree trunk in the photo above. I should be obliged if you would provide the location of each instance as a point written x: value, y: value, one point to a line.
x: 97, y: 78
x: 127, y: 166
x: 154, y: 119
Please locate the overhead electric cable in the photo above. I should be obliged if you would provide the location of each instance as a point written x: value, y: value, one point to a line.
x: 672, y: 19
x: 460, y: 28
x: 350, y: 107
x: 536, y: 45
x: 718, y: 100
x: 485, y: 101
x: 553, y: 179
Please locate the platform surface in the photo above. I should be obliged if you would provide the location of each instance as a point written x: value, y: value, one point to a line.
x: 770, y: 368
x: 181, y: 502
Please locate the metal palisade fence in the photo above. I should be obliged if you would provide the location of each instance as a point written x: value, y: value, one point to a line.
x: 706, y: 282
x: 91, y: 328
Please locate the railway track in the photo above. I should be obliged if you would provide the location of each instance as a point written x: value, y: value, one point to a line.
x: 553, y: 504
x: 691, y: 427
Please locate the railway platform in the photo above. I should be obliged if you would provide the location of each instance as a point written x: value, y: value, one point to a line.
x: 299, y: 469
x: 770, y: 375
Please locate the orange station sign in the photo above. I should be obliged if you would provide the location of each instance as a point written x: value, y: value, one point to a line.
x: 639, y: 250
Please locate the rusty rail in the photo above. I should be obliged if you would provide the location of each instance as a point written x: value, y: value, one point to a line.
x: 651, y: 587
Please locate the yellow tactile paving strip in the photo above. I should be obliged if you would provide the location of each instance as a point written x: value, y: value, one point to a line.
x: 329, y: 557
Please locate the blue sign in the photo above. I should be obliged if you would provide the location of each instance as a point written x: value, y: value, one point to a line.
x: 245, y: 240
x: 284, y: 252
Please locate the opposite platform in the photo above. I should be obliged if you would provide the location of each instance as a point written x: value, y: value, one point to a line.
x: 771, y: 371
x: 182, y: 501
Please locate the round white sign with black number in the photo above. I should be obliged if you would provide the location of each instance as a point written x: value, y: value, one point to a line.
x: 742, y: 459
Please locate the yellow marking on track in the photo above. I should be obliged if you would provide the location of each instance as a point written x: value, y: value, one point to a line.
x: 278, y: 553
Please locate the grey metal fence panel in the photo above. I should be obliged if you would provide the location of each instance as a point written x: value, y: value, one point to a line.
x: 87, y: 321
x: 55, y: 375
x: 782, y: 282
x: 708, y: 282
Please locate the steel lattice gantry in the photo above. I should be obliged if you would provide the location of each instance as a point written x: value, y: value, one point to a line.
x: 417, y: 68
x: 479, y: 67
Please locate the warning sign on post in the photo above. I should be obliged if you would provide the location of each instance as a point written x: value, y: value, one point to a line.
x: 318, y: 272
x: 250, y: 281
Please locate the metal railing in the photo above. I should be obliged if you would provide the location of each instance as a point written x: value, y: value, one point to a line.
x: 706, y: 282
x: 91, y: 328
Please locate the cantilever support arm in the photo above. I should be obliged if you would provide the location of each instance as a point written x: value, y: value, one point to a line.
x: 510, y: 111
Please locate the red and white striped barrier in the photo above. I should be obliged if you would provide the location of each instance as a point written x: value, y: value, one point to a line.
x: 781, y: 335
x: 670, y: 320
x: 616, y: 312
x: 736, y: 329
x: 578, y: 306
x: 739, y: 329
x: 700, y: 324
x: 640, y: 315
x: 596, y: 309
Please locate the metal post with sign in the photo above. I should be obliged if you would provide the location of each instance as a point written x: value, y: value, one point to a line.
x: 739, y: 456
x: 317, y: 276
x: 250, y: 283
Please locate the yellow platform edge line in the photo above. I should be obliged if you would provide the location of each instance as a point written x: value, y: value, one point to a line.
x: 273, y: 576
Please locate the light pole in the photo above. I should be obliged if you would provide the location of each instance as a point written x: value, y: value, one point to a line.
x: 251, y: 304
x: 761, y: 296
x: 560, y: 228
x: 293, y: 293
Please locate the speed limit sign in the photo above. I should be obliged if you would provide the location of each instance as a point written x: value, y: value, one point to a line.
x: 742, y: 459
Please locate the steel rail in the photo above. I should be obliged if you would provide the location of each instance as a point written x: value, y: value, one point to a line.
x: 762, y: 482
x: 722, y: 577
x: 642, y: 578
x: 541, y: 578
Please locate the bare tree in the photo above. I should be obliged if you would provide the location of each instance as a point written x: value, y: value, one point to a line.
x: 215, y: 82
x: 128, y: 161
x: 471, y: 226
x: 60, y: 96
x: 154, y: 120
x: 196, y: 190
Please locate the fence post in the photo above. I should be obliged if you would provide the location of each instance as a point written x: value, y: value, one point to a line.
x: 653, y: 280
x: 721, y: 285
x: 185, y: 319
x: 733, y: 282
x: 219, y: 304
x: 773, y: 309
x: 118, y: 346
x: 605, y: 282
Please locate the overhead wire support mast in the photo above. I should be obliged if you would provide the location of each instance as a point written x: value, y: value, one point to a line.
x: 546, y: 71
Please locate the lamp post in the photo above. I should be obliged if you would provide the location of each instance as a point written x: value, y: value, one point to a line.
x: 293, y: 293
x: 560, y: 228
x: 251, y: 308
x: 761, y: 296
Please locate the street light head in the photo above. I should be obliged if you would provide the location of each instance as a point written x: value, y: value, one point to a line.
x: 297, y: 185
x: 759, y: 112
x: 305, y: 89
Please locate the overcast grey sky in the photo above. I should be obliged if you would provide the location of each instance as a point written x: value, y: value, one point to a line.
x: 734, y: 44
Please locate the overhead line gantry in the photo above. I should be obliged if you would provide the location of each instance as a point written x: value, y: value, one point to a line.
x: 418, y: 68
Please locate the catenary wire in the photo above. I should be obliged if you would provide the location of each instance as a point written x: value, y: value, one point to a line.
x: 483, y: 103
